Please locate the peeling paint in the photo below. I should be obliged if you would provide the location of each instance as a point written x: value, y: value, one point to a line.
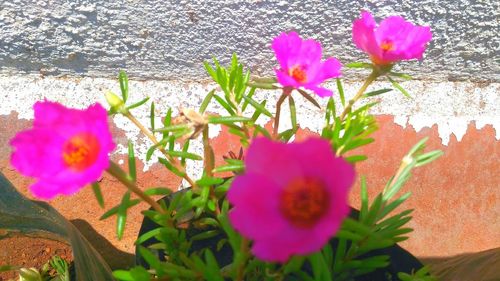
x: 449, y: 105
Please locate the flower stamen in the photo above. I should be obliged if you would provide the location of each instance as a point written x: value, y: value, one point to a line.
x: 304, y: 201
x: 80, y: 151
x: 387, y: 45
x: 298, y: 73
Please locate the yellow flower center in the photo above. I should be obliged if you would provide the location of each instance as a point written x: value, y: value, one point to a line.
x: 304, y: 201
x: 298, y: 73
x: 387, y: 45
x: 80, y: 151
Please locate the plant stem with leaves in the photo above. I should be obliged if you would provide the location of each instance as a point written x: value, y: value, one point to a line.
x: 153, y: 139
x: 372, y: 77
x: 115, y: 170
x: 284, y: 95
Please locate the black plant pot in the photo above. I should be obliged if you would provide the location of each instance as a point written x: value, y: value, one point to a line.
x: 400, y: 259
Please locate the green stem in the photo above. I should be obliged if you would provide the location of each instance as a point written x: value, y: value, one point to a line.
x: 240, y: 272
x: 373, y: 76
x: 153, y: 139
x: 117, y: 172
x: 209, y: 165
x: 284, y: 95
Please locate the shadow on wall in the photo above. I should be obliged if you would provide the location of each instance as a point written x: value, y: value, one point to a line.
x: 481, y: 266
x: 115, y: 258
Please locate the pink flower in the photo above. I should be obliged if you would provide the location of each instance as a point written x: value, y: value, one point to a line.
x: 301, y: 65
x: 65, y: 150
x: 291, y: 199
x: 393, y: 40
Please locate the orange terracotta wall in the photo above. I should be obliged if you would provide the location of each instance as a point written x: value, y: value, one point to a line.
x: 456, y: 198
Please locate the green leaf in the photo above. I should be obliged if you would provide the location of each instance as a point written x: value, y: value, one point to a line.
x: 61, y: 267
x: 161, y: 143
x: 166, y: 122
x: 348, y: 235
x: 140, y: 274
x: 359, y: 65
x: 293, y: 113
x: 137, y: 104
x: 4, y: 268
x: 418, y: 147
x: 184, y: 154
x: 205, y: 235
x: 330, y: 111
x: 169, y: 166
x: 356, y: 158
x: 397, y: 86
x: 294, y: 264
x: 152, y: 116
x: 364, y: 199
x: 206, y: 101
x: 377, y: 92
x: 374, y: 210
x: 249, y: 95
x: 428, y: 157
x: 158, y: 191
x: 309, y: 98
x: 262, y: 131
x: 266, y: 86
x: 287, y: 134
x: 210, y: 71
x: 39, y: 219
x: 259, y: 107
x: 152, y: 260
x: 132, y: 171
x: 339, y: 254
x: 172, y: 128
x: 114, y: 210
x: 123, y: 79
x: 321, y: 271
x: 401, y: 75
x: 229, y: 168
x: 356, y: 226
x: 341, y: 91
x: 228, y: 119
x: 123, y: 275
x: 122, y: 215
x: 257, y: 113
x: 212, y: 271
x: 393, y: 205
x: 98, y: 194
x: 208, y: 181
x: 376, y: 262
x: 224, y: 104
x: 148, y: 235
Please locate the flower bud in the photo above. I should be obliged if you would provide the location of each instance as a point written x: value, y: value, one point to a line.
x: 115, y: 102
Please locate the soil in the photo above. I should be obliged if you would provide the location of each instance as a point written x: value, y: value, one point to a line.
x: 30, y: 252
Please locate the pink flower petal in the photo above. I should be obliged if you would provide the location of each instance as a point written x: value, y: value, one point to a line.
x: 65, y: 150
x: 363, y: 34
x: 265, y: 155
x: 252, y: 216
x: 265, y: 197
x: 394, y: 40
x: 320, y: 91
x: 37, y: 153
x: 301, y: 65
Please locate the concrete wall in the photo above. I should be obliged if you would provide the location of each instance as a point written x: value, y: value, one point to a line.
x: 70, y: 51
x: 169, y: 39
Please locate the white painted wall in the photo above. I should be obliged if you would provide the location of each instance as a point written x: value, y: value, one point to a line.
x: 450, y: 105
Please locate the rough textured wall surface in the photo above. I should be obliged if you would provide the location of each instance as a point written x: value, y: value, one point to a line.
x: 170, y: 39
